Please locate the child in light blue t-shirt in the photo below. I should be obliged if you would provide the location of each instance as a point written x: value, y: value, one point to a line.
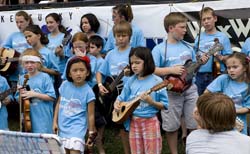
x: 235, y: 84
x: 144, y: 132
x: 3, y: 110
x: 246, y: 47
x: 74, y: 112
x: 41, y: 93
x: 123, y: 12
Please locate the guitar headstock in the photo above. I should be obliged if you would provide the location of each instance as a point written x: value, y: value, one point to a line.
x: 66, y: 39
x: 216, y: 47
x: 239, y: 124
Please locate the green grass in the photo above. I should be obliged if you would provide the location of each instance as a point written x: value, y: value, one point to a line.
x: 112, y: 141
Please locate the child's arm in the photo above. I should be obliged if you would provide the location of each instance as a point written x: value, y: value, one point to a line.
x: 33, y: 94
x: 55, y: 119
x: 243, y: 110
x: 91, y: 116
x: 147, y: 98
x: 91, y: 121
x: 177, y: 70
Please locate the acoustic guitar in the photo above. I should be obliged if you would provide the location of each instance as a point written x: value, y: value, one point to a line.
x: 128, y: 108
x: 185, y: 80
x: 114, y: 85
x: 10, y: 64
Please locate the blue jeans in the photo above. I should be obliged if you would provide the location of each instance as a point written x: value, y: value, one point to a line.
x: 203, y: 80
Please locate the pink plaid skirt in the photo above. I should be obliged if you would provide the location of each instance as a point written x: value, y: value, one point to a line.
x: 145, y: 136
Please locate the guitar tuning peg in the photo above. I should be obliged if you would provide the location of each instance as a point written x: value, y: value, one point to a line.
x: 170, y: 86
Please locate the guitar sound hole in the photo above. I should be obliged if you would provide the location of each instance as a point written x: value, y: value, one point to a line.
x: 123, y: 108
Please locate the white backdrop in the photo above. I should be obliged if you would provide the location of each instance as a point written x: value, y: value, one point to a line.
x: 148, y: 17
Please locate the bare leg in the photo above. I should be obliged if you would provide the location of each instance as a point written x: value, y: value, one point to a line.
x: 99, y: 140
x: 125, y: 141
x: 183, y: 130
x: 172, y: 138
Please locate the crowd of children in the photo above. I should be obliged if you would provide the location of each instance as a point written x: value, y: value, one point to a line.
x: 77, y: 83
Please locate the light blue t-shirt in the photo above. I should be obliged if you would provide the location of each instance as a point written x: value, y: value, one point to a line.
x: 246, y: 47
x: 137, y: 39
x: 175, y: 54
x: 41, y: 112
x: 134, y: 87
x: 206, y: 42
x: 48, y: 60
x: 237, y: 91
x: 16, y: 41
x: 73, y: 109
x: 55, y: 42
x: 3, y: 110
x: 114, y: 63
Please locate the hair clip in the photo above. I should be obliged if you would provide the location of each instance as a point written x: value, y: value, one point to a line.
x: 85, y: 59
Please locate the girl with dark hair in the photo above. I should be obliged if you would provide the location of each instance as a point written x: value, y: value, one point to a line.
x: 89, y: 25
x: 144, y: 132
x: 38, y: 41
x: 75, y: 109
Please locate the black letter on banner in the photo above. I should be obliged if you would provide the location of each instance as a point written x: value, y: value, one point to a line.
x: 11, y: 18
x: 70, y: 15
x: 2, y: 18
x: 40, y: 17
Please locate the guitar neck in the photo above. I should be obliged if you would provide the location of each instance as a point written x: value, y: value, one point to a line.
x: 4, y: 94
x: 13, y: 59
x: 116, y: 81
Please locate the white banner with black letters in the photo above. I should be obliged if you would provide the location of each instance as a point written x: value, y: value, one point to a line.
x: 233, y: 19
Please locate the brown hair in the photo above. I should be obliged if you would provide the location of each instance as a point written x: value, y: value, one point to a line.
x: 124, y: 10
x: 207, y: 10
x: 245, y: 61
x: 80, y: 36
x: 26, y: 16
x: 173, y: 19
x: 123, y: 27
x: 217, y: 112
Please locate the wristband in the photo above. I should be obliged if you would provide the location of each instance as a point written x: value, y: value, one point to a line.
x: 99, y: 84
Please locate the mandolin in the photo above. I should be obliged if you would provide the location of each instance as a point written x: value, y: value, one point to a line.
x: 185, y: 80
x: 10, y: 64
x: 128, y: 108
x: 25, y: 103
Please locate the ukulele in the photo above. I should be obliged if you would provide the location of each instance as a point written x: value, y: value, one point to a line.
x: 11, y: 63
x: 25, y: 106
x: 114, y: 85
x: 184, y: 81
x: 128, y: 108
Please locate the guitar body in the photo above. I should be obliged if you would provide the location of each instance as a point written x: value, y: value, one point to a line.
x: 126, y: 110
x: 184, y: 81
x: 11, y: 64
x: 105, y: 102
